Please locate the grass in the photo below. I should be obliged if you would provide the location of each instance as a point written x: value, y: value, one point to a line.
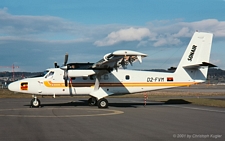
x: 207, y: 102
x: 190, y: 100
x: 5, y: 93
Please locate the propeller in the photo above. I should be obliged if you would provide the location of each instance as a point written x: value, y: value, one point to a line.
x: 65, y: 77
x: 66, y: 59
x: 65, y: 68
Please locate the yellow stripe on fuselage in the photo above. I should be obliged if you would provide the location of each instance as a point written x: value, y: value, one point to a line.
x: 126, y: 84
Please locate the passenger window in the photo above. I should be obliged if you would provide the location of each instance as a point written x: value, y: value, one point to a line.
x: 106, y: 77
x: 92, y: 77
x: 127, y: 77
x: 85, y: 78
x: 73, y: 78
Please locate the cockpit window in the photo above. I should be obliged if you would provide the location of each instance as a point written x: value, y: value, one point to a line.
x: 42, y: 74
x: 39, y: 74
x: 45, y: 72
x: 50, y: 74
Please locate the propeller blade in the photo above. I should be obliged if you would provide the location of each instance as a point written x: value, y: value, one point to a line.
x: 66, y: 59
x: 65, y: 68
x: 65, y: 77
x: 66, y: 83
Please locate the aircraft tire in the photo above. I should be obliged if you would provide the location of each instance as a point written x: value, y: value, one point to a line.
x: 35, y: 103
x: 92, y: 101
x: 103, y: 103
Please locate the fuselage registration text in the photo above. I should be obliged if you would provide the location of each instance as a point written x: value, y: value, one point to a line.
x: 155, y: 79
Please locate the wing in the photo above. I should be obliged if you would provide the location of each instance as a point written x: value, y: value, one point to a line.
x: 117, y: 59
x: 110, y: 61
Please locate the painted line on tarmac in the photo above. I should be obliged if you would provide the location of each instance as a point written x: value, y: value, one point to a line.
x: 110, y: 112
x: 193, y: 108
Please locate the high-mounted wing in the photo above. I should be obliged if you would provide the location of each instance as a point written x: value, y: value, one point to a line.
x: 117, y: 59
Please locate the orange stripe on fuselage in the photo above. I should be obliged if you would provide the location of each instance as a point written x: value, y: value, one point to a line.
x: 126, y: 84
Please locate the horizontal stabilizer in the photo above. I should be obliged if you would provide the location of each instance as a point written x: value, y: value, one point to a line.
x: 199, y: 65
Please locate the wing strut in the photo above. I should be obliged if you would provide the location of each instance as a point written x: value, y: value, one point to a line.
x: 99, y: 92
x: 97, y: 83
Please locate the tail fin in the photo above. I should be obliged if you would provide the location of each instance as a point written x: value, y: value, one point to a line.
x: 194, y: 63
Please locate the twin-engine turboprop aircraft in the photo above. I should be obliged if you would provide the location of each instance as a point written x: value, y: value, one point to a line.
x: 106, y: 77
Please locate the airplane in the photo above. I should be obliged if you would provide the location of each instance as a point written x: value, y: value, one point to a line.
x: 109, y: 75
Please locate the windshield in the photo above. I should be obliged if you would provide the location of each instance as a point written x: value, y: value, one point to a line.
x: 41, y: 74
x: 44, y: 73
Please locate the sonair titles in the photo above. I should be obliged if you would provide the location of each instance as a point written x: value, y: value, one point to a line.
x: 191, y: 55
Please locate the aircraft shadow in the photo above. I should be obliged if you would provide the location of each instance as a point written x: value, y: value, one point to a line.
x: 72, y: 103
x: 135, y: 105
x: 176, y: 101
x: 115, y: 104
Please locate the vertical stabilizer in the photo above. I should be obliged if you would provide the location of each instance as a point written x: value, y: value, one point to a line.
x: 194, y: 63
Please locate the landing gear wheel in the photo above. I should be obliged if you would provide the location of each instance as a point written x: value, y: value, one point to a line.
x: 103, y: 103
x: 35, y: 103
x: 92, y: 101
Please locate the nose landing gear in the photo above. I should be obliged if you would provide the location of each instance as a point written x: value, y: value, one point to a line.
x: 35, y: 102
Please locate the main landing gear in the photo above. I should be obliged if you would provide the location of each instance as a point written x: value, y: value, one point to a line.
x: 35, y: 102
x: 101, y: 103
x: 92, y: 101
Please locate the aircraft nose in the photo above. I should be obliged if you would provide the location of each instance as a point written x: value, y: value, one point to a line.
x: 13, y: 86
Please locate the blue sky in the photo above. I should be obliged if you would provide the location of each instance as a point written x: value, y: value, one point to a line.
x: 35, y: 34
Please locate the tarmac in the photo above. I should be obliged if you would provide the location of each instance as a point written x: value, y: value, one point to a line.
x: 126, y: 119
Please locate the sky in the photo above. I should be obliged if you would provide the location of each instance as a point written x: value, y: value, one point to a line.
x: 35, y: 34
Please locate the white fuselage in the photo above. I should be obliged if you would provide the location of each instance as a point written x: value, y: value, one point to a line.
x: 116, y: 82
